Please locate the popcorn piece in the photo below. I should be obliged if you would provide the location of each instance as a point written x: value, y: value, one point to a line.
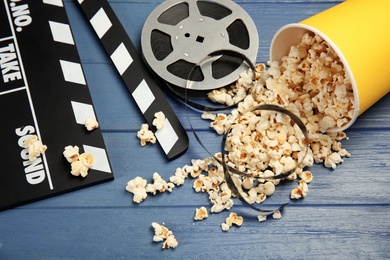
x: 306, y: 176
x: 219, y: 193
x: 300, y: 191
x: 343, y: 152
x: 35, y: 150
x: 246, y: 78
x: 197, y: 167
x: 332, y: 160
x: 247, y: 183
x: 303, y: 185
x: 277, y: 214
x: 140, y: 188
x: 35, y: 147
x: 230, y: 220
x: 261, y: 217
x: 30, y: 141
x: 145, y: 135
x: 158, y: 185
x: 80, y: 164
x: 220, y: 96
x: 78, y: 168
x: 219, y: 205
x: 179, y: 177
x: 208, y: 115
x: 163, y: 234
x: 296, y: 193
x: 267, y: 188
x: 137, y: 187
x: 160, y: 232
x: 91, y: 124
x: 71, y: 153
x: 327, y: 122
x: 234, y: 219
x: 193, y: 170
x: 87, y: 159
x: 201, y: 213
x: 198, y: 184
x: 221, y: 123
x: 159, y: 120
x: 170, y: 242
x: 225, y: 227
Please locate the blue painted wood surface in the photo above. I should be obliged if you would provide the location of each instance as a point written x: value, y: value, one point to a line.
x: 345, y: 216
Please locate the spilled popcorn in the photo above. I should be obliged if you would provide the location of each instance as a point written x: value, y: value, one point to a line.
x: 91, y: 124
x: 80, y: 163
x: 277, y: 214
x: 163, y: 234
x: 145, y: 135
x: 261, y: 217
x: 159, y: 120
x: 137, y: 186
x: 159, y: 185
x: 201, y: 213
x: 35, y: 147
x: 300, y: 191
x: 230, y: 220
x: 71, y: 153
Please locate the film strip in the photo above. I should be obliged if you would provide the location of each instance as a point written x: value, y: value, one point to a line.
x: 43, y: 92
x: 141, y: 84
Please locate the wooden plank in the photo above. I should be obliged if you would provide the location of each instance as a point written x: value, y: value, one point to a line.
x: 100, y: 233
x: 361, y: 179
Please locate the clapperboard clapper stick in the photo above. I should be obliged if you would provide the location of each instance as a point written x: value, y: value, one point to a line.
x: 140, y: 82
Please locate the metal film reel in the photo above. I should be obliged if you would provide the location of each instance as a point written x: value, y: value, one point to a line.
x: 178, y: 34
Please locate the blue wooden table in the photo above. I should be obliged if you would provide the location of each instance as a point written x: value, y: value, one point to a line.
x: 345, y: 216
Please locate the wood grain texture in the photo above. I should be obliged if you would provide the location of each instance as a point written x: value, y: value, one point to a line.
x: 115, y: 232
x: 345, y: 216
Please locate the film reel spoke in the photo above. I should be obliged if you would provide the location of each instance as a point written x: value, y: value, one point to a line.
x: 228, y: 20
x: 166, y: 28
x: 194, y: 11
x: 173, y: 57
x: 207, y: 71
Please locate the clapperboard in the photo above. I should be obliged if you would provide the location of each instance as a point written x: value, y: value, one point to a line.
x: 43, y: 92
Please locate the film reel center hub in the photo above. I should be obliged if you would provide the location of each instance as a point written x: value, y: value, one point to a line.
x: 177, y: 35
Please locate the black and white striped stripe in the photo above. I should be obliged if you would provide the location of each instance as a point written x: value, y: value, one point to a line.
x: 73, y: 73
x: 128, y: 62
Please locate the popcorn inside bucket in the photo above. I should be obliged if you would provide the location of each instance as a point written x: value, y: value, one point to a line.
x: 313, y: 67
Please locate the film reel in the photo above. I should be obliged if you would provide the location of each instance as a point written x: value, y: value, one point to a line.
x: 178, y: 34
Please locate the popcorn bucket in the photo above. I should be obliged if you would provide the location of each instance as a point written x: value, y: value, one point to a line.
x: 359, y: 32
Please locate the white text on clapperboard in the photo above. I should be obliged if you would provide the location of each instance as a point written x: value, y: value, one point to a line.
x: 9, y: 64
x: 10, y: 70
x: 35, y: 173
x: 21, y: 15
